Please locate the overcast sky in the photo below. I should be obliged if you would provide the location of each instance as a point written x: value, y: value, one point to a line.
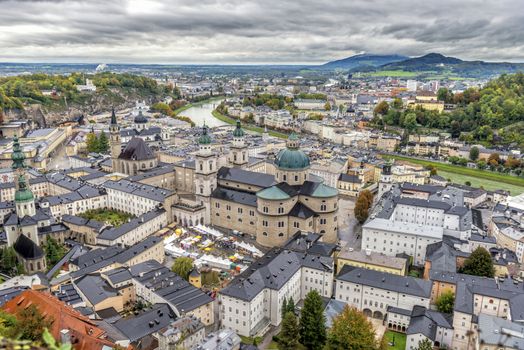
x: 256, y: 31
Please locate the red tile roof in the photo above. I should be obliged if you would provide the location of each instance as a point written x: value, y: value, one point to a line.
x: 84, y: 333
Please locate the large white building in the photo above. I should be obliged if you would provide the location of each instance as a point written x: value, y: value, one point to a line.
x: 406, y: 223
x: 372, y: 292
x: 253, y: 300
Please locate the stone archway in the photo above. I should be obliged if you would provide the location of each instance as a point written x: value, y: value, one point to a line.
x: 378, y: 315
x: 367, y: 312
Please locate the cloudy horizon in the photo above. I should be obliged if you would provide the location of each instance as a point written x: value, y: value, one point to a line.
x: 256, y: 32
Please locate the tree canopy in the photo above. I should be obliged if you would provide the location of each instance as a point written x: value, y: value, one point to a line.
x: 362, y: 205
x: 313, y: 322
x: 477, y: 115
x: 352, y: 330
x: 445, y: 302
x: 288, y: 338
x: 479, y: 263
x: 183, y: 267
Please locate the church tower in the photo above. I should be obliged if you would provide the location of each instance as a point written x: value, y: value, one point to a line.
x: 205, y: 172
x: 24, y: 198
x: 386, y: 180
x: 238, y: 156
x: 115, y: 142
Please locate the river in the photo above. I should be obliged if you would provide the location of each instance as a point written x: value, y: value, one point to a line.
x: 202, y: 113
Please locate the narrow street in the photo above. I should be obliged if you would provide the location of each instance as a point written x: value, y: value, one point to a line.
x: 348, y: 229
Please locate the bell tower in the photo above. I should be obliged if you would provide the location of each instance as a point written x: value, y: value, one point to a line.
x: 238, y: 156
x: 205, y: 172
x: 114, y: 139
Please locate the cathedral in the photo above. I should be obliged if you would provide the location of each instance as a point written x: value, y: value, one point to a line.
x: 270, y: 207
x: 136, y: 156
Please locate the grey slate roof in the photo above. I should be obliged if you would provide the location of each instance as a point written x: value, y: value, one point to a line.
x: 116, y: 232
x: 118, y: 275
x: 151, y: 173
x: 300, y: 210
x: 95, y: 288
x: 498, y: 332
x: 386, y: 281
x: 27, y: 248
x: 139, y: 189
x: 426, y: 321
x: 245, y: 177
x: 272, y: 271
x: 79, y: 221
x: 137, y: 149
x: 349, y: 178
x: 168, y: 285
x: 68, y: 294
x: 122, y: 257
x: 9, y: 293
x: 230, y: 195
x: 146, y: 323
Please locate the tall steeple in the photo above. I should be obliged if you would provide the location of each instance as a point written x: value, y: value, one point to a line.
x: 114, y: 140
x: 24, y: 198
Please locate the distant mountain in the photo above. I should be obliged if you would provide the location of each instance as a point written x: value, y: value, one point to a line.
x: 436, y: 64
x: 363, y: 61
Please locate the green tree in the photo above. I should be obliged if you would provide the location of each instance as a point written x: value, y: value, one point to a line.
x: 54, y: 251
x: 410, y: 121
x: 381, y: 108
x: 31, y: 323
x: 445, y: 302
x: 362, y: 206
x: 52, y: 344
x: 352, y: 330
x: 313, y: 322
x: 474, y: 153
x: 289, y: 330
x: 425, y: 344
x: 9, y: 261
x: 284, y: 307
x: 91, y: 142
x: 327, y: 106
x: 290, y: 305
x: 479, y: 263
x: 103, y: 143
x: 8, y: 325
x: 183, y: 267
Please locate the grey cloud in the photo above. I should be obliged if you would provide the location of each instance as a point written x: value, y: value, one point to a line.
x: 260, y: 31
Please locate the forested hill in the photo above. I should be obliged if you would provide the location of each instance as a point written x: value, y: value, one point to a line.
x: 57, y: 93
x: 493, y: 114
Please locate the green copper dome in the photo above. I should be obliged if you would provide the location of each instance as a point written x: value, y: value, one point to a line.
x: 239, y: 132
x: 204, y: 139
x: 23, y: 193
x: 292, y: 158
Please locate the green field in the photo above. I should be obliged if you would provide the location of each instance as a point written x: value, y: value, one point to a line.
x: 400, y: 340
x: 489, y: 185
x: 258, y: 129
x: 488, y: 179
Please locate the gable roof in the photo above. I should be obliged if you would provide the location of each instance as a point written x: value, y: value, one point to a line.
x: 86, y: 334
x: 27, y: 248
x: 137, y: 149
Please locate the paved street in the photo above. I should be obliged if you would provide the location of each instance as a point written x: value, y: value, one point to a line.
x: 349, y: 229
